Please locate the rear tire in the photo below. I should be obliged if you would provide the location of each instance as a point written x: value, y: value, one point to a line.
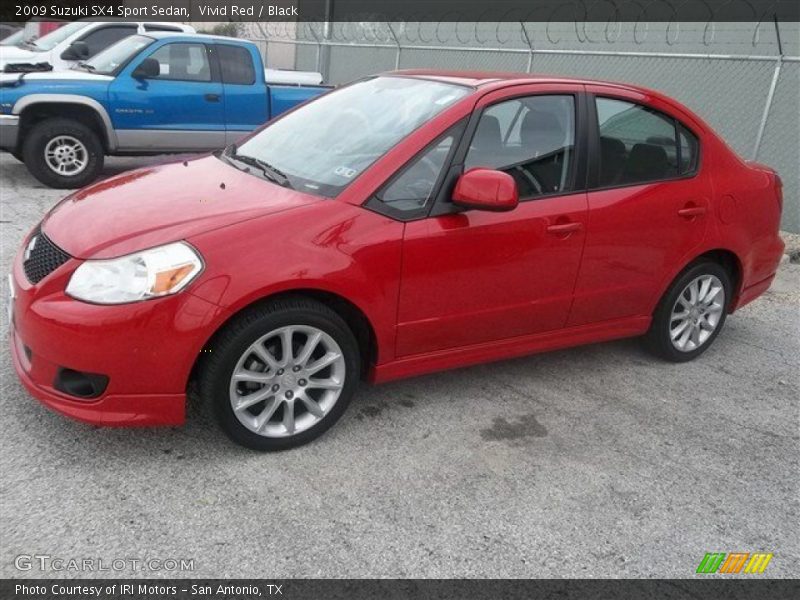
x: 63, y: 153
x: 267, y: 399
x: 691, y: 313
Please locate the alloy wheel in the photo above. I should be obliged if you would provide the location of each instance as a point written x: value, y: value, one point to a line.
x: 697, y: 313
x: 287, y: 381
x: 66, y: 155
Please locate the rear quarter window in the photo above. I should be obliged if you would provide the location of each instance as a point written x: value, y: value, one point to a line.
x: 236, y: 65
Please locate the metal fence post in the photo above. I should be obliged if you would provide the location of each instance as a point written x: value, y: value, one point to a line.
x: 771, y: 93
x: 530, y: 46
x: 399, y: 48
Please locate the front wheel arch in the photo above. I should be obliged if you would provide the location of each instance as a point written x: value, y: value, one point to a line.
x: 353, y: 316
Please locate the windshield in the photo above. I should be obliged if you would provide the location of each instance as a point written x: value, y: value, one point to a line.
x: 113, y: 57
x: 323, y: 146
x: 14, y: 39
x: 52, y: 39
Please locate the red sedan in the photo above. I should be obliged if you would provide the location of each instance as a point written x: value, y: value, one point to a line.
x: 406, y: 223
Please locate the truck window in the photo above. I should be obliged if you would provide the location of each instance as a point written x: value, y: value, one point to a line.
x: 182, y: 61
x: 236, y: 65
x: 103, y: 37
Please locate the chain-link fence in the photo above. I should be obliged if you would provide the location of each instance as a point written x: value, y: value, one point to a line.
x: 743, y: 78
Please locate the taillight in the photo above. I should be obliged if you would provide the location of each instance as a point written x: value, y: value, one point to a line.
x: 779, y: 191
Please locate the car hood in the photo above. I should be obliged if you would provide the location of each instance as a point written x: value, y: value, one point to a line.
x: 161, y: 204
x: 14, y: 54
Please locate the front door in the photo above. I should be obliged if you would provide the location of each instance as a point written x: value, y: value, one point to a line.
x: 180, y: 109
x: 472, y: 277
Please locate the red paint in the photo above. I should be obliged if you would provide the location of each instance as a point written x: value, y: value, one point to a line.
x: 439, y: 292
x: 486, y: 189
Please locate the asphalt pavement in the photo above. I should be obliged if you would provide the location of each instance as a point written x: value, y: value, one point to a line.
x: 599, y: 461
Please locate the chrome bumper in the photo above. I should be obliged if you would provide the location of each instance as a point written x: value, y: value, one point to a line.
x: 9, y: 132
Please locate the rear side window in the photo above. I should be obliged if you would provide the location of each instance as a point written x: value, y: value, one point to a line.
x: 639, y: 144
x: 236, y: 65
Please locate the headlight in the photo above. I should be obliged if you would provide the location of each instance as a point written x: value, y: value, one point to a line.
x: 148, y: 274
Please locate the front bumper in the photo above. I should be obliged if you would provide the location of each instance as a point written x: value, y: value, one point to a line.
x: 9, y: 132
x: 146, y: 349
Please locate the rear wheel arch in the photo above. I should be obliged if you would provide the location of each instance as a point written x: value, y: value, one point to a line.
x: 355, y: 318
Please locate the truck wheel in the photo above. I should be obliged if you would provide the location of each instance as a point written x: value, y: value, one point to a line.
x: 281, y: 374
x: 63, y: 153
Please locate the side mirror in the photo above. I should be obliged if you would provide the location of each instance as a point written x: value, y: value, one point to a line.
x: 486, y: 189
x: 76, y: 51
x: 147, y: 69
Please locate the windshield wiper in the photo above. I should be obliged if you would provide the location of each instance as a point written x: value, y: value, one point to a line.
x: 87, y: 66
x: 269, y: 171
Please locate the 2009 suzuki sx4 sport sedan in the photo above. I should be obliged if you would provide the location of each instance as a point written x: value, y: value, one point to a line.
x: 403, y: 224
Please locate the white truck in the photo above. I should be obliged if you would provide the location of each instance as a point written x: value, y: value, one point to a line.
x: 78, y: 41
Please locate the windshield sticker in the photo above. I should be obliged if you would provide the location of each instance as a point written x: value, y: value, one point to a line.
x: 344, y: 172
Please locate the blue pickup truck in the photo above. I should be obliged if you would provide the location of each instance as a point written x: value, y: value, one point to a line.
x: 151, y: 93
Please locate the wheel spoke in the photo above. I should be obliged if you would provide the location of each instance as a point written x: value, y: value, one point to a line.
x: 695, y: 337
x: 311, y: 344
x: 265, y: 415
x: 288, y: 417
x: 705, y: 286
x: 286, y: 346
x: 312, y: 405
x: 321, y: 363
x: 254, y: 376
x: 679, y: 329
x: 251, y: 399
x: 324, y: 384
x: 262, y: 353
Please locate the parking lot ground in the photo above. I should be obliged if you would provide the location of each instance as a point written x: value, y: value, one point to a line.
x: 598, y: 461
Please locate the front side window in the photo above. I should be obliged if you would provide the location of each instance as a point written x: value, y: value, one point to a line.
x: 324, y: 145
x: 112, y: 58
x: 183, y: 62
x: 413, y: 188
x: 103, y: 37
x: 532, y: 139
x: 639, y: 144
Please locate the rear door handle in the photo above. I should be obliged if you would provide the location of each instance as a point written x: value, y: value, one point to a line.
x: 562, y: 228
x: 687, y: 212
x: 212, y: 97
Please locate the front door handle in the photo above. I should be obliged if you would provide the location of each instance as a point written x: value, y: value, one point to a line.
x: 564, y: 228
x: 691, y: 211
x: 212, y: 97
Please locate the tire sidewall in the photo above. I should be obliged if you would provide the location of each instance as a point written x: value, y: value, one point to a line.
x: 232, y: 351
x: 38, y: 138
x: 659, y: 333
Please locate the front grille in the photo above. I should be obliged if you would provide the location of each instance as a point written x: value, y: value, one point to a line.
x: 42, y: 257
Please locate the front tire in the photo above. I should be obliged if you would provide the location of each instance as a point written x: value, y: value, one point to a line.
x: 281, y: 374
x: 63, y: 153
x: 691, y: 313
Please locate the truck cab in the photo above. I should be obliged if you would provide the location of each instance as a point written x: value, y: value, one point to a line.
x: 151, y: 93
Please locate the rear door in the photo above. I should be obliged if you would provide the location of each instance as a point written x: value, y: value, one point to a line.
x: 471, y: 276
x: 648, y: 201
x: 246, y: 102
x: 180, y: 109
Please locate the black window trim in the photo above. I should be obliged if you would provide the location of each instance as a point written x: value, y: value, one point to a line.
x: 578, y: 184
x: 593, y: 124
x: 374, y: 202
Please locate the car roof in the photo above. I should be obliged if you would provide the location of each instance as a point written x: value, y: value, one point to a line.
x: 483, y: 79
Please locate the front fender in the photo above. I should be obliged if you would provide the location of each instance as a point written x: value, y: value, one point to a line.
x: 33, y: 99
